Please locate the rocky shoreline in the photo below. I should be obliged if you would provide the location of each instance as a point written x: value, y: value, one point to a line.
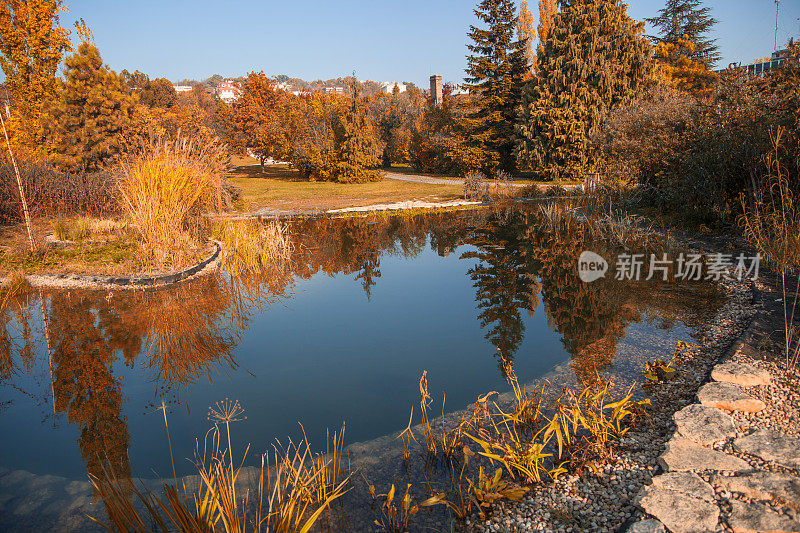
x: 721, y: 451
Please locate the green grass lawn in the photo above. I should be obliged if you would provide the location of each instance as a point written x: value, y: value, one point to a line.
x: 282, y: 188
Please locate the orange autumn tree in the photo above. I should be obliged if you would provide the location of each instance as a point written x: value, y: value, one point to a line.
x: 526, y: 32
x: 258, y: 119
x: 676, y: 67
x: 547, y: 10
x: 32, y: 44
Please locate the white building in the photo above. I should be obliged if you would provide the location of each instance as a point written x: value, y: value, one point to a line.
x: 388, y: 86
x: 182, y: 88
x: 228, y: 91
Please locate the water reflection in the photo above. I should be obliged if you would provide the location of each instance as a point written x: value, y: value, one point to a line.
x: 516, y: 264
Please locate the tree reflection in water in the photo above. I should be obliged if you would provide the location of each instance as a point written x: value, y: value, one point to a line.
x: 189, y: 331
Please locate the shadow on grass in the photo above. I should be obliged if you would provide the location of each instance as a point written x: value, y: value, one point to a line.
x: 273, y: 172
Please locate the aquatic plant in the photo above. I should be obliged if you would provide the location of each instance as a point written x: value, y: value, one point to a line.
x: 393, y: 516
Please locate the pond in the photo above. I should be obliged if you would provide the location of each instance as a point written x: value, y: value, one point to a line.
x: 341, y: 338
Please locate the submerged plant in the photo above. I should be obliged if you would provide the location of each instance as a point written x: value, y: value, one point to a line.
x: 393, y: 515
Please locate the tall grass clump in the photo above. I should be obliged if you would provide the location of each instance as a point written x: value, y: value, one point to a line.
x: 771, y: 221
x: 164, y: 191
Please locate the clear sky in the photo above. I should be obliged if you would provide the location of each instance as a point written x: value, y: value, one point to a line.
x: 379, y: 40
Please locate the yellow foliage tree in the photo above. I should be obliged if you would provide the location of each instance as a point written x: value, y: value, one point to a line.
x: 547, y: 10
x: 676, y: 67
x: 32, y: 44
x: 526, y: 32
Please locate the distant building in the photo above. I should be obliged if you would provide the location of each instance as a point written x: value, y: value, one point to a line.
x: 388, y: 86
x: 459, y: 90
x: 333, y: 90
x: 228, y: 91
x: 436, y: 91
x: 757, y: 69
x: 182, y: 88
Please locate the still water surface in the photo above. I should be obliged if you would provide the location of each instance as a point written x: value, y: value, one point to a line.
x: 342, y: 338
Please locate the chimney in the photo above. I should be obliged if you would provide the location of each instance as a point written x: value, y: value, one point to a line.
x: 436, y: 91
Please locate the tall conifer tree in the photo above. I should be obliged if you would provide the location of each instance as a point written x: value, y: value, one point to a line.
x: 357, y: 147
x: 495, y: 73
x: 93, y: 113
x: 594, y: 57
x: 687, y: 19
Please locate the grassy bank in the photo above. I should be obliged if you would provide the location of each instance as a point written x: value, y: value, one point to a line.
x: 282, y: 188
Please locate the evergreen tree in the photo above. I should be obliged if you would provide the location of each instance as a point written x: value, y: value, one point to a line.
x: 686, y: 19
x: 357, y: 147
x: 594, y: 58
x: 495, y: 74
x: 92, y: 115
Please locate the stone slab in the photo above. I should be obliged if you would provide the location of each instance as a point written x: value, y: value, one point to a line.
x: 703, y: 424
x: 763, y: 486
x: 679, y: 511
x: 687, y: 482
x: 740, y: 374
x: 683, y: 455
x: 754, y: 517
x: 771, y: 446
x: 728, y: 396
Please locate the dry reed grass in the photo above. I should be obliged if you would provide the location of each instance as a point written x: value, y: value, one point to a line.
x: 165, y: 190
x: 771, y: 221
x: 290, y: 495
x: 252, y: 246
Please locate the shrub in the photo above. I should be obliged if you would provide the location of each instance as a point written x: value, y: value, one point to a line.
x: 52, y: 193
x: 697, y: 156
x: 475, y: 186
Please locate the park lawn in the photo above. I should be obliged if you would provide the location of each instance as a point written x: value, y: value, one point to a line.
x: 281, y: 188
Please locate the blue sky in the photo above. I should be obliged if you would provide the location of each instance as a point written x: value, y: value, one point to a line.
x: 379, y: 40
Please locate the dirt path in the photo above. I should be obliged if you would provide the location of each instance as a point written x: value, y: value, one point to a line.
x: 416, y: 178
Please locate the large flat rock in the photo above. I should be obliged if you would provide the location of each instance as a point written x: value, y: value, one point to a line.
x: 763, y: 486
x: 740, y: 374
x: 687, y: 482
x: 703, y: 424
x: 754, y: 517
x: 682, y: 501
x: 683, y: 455
x: 728, y: 396
x: 771, y: 446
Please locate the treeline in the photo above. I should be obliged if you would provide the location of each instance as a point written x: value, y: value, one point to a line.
x: 580, y: 91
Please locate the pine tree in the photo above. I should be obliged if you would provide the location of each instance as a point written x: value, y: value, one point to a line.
x: 357, y: 149
x: 686, y: 19
x: 594, y: 58
x: 495, y: 74
x: 92, y: 115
